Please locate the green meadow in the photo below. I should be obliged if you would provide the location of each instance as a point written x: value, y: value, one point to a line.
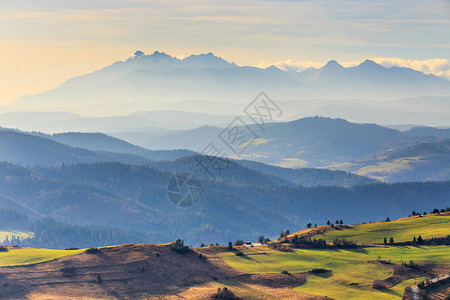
x: 351, y: 275
x: 22, y: 256
x: 402, y: 230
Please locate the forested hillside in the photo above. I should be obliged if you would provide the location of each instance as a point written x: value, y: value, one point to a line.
x: 47, y: 233
x: 135, y: 197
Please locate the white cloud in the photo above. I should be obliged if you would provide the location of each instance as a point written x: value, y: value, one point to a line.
x: 437, y: 66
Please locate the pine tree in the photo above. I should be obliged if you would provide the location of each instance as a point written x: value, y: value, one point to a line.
x: 391, y: 240
x: 230, y: 245
x: 340, y: 222
x: 419, y: 239
x: 328, y: 223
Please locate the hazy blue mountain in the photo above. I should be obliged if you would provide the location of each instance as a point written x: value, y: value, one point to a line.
x: 429, y: 131
x: 150, y: 79
x: 419, y: 162
x: 51, y: 122
x: 103, y: 142
x: 307, y: 142
x: 255, y: 173
x: 309, y: 177
x: 194, y: 139
x: 160, y: 77
x: 68, y: 148
x: 370, y: 77
x: 176, y: 119
x: 26, y: 149
x: 183, y: 161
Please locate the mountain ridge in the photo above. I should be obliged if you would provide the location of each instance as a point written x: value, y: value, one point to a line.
x: 147, y: 78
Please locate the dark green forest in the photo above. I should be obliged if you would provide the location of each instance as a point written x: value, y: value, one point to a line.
x: 134, y: 198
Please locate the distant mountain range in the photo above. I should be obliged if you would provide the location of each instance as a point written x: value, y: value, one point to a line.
x: 155, y: 78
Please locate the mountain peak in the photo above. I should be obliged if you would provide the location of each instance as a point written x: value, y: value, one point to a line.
x: 160, y: 54
x: 370, y: 63
x: 333, y: 64
x: 206, y: 60
x: 139, y: 53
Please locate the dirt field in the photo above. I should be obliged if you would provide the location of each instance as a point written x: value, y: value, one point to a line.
x: 141, y: 272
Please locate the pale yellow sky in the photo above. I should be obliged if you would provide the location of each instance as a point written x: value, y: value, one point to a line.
x: 45, y: 42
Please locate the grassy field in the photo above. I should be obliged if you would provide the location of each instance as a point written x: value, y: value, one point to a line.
x: 402, y: 230
x: 395, y: 165
x: 32, y: 255
x: 11, y: 233
x: 347, y: 266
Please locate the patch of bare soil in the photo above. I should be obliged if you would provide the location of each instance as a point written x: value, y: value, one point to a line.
x: 307, y: 233
x: 273, y: 280
x: 139, y: 272
x: 120, y: 272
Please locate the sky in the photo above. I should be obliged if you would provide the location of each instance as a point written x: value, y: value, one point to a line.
x: 45, y: 42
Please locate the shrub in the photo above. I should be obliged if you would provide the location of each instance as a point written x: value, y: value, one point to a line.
x: 180, y: 248
x: 285, y: 272
x: 92, y: 251
x: 319, y: 270
x: 230, y: 245
x: 239, y: 243
x: 158, y: 255
x: 378, y: 284
x: 224, y: 294
x: 3, y: 249
x: 239, y: 253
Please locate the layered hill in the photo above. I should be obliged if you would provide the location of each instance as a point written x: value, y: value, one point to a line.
x: 135, y: 197
x: 306, y: 142
x: 420, y: 162
x: 37, y: 149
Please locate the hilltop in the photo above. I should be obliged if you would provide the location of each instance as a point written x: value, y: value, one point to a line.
x: 402, y: 230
